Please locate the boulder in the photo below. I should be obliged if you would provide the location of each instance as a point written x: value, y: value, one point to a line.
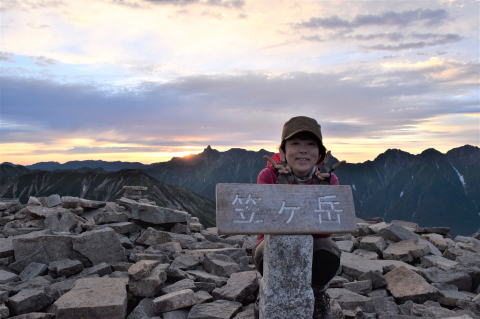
x: 174, y: 300
x: 6, y: 276
x: 356, y: 266
x: 64, y: 222
x: 153, y: 214
x: 241, y: 287
x: 28, y: 300
x: 65, y: 267
x: 53, y: 200
x: 220, y: 265
x: 405, y: 284
x: 100, y: 245
x: 179, y: 285
x: 93, y: 298
x: 142, y: 269
x: 186, y: 262
x: 33, y: 270
x: 219, y: 309
x: 372, y: 243
x: 156, y: 237
x: 406, y: 250
x: 151, y: 284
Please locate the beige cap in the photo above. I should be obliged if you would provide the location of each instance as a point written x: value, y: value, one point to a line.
x: 299, y: 124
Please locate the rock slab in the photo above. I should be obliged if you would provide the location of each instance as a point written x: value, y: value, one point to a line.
x: 94, y: 298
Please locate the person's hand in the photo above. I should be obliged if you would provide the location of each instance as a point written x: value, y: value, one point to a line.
x: 279, y: 167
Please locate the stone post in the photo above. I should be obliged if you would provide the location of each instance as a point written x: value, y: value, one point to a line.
x: 285, y: 290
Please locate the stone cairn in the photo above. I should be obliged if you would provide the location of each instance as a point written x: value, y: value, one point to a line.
x: 68, y: 257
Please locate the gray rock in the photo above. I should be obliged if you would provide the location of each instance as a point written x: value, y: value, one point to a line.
x: 4, y: 312
x: 141, y: 269
x: 355, y: 266
x: 65, y: 267
x: 160, y: 257
x: 53, y: 200
x: 360, y: 287
x: 406, y: 250
x: 39, y: 211
x: 345, y: 245
x: 219, y: 309
x: 57, y: 289
x: 91, y: 204
x: 156, y: 237
x: 32, y: 200
x: 180, y: 228
x: 405, y: 284
x: 6, y: 276
x: 143, y: 310
x: 285, y: 290
x: 150, y: 285
x: 208, y: 245
x: 396, y: 233
x: 388, y: 265
x: 179, y: 285
x: 100, y: 269
x: 202, y: 296
x: 123, y: 228
x: 207, y: 277
x: 110, y: 217
x: 70, y: 202
x: 372, y: 243
x: 153, y: 214
x: 170, y: 248
x: 349, y: 299
x: 176, y: 314
x: 220, y: 265
x: 91, y: 244
x: 206, y: 286
x: 241, y: 287
x: 338, y: 282
x: 33, y: 270
x: 6, y: 247
x: 3, y: 296
x: 94, y: 298
x: 429, y: 309
x: 186, y: 262
x: 384, y: 305
x: 174, y: 300
x: 366, y: 254
x: 459, y: 279
x: 28, y: 300
x: 64, y: 222
x: 247, y: 313
x: 454, y: 298
x: 375, y: 277
x: 438, y: 261
x: 439, y: 241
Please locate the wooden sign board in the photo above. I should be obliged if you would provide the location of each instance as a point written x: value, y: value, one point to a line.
x: 284, y: 209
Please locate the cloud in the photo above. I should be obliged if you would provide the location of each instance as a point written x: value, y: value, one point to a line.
x: 242, y: 108
x: 401, y: 19
x: 437, y: 39
x: 237, y: 4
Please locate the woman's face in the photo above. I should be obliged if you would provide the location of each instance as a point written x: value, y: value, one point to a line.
x: 301, y: 155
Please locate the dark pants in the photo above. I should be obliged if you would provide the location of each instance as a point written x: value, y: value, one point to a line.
x: 326, y: 260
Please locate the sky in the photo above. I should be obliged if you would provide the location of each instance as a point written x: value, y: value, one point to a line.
x: 146, y: 80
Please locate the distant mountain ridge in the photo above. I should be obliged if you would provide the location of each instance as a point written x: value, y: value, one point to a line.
x: 430, y: 188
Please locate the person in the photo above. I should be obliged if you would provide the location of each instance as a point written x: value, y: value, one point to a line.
x: 301, y: 160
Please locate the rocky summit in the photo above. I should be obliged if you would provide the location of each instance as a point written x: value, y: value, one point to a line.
x: 69, y: 257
